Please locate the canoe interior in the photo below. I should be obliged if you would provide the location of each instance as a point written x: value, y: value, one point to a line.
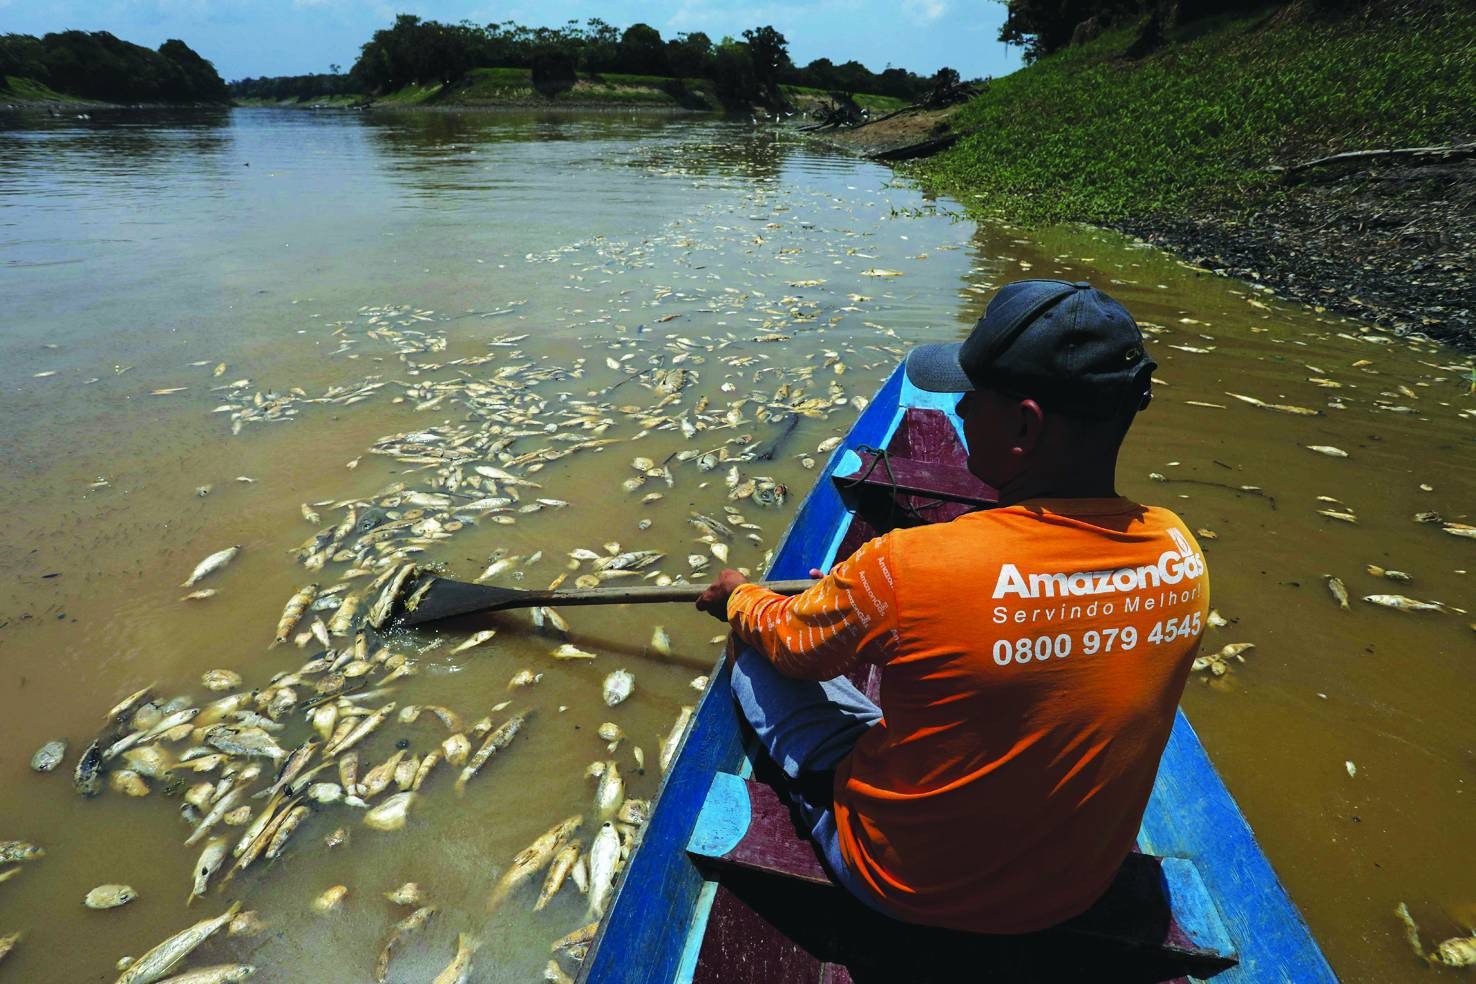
x: 671, y: 923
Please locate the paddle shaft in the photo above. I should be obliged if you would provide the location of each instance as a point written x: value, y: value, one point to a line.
x: 640, y: 594
x: 445, y: 598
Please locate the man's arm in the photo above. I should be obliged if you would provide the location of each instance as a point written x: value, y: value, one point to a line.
x: 849, y: 616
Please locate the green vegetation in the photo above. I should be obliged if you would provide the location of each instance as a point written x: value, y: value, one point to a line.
x: 1089, y: 134
x: 98, y: 66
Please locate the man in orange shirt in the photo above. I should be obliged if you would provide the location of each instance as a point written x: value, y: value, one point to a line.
x: 1032, y: 655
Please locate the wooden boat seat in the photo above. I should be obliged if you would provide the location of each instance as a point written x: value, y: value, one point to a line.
x: 1157, y: 915
x: 933, y: 480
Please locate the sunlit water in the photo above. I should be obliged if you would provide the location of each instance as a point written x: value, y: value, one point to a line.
x: 132, y: 248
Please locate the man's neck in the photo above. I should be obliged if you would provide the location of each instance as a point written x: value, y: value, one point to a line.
x: 1074, y: 486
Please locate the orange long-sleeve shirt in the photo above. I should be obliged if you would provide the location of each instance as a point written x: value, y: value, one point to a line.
x: 1032, y: 658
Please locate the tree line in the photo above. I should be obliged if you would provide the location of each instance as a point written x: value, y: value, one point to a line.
x: 97, y: 65
x: 744, y: 71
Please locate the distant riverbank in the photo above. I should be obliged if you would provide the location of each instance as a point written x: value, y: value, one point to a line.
x: 484, y: 88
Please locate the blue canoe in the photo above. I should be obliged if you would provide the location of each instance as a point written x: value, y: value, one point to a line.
x: 721, y: 889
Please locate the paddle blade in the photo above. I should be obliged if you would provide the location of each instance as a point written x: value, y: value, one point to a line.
x: 444, y: 598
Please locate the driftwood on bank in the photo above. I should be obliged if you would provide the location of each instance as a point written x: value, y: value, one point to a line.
x: 923, y: 148
x: 1433, y: 154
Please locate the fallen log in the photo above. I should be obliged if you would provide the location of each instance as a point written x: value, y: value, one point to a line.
x: 924, y: 148
x: 1447, y: 152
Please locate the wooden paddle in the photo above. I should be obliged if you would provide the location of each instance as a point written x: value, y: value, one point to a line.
x: 441, y: 597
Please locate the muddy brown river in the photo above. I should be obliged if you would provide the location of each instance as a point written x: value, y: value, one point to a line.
x: 300, y: 312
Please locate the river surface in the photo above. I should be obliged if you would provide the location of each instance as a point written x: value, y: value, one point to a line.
x: 443, y: 275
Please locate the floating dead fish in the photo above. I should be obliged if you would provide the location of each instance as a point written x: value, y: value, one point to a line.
x: 200, y: 595
x: 109, y: 896
x: 212, y: 564
x: 163, y: 958
x: 330, y: 900
x: 1328, y: 450
x: 475, y: 639
x: 1400, y: 576
x: 458, y: 971
x: 220, y: 680
x: 1338, y: 589
x: 571, y: 651
x: 617, y: 686
x: 49, y: 755
x: 1403, y: 603
x: 673, y: 739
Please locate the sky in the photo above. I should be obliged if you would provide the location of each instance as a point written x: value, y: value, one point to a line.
x: 296, y: 37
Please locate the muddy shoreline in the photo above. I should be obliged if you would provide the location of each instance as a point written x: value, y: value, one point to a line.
x: 1391, y: 243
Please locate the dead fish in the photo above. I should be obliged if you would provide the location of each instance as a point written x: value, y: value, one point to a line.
x: 292, y: 613
x: 523, y: 678
x: 217, y: 974
x: 1378, y: 571
x: 162, y: 958
x: 408, y: 894
x: 122, y: 711
x: 635, y: 812
x: 87, y: 776
x: 212, y: 564
x: 1328, y: 450
x: 1403, y: 603
x: 49, y: 755
x: 475, y: 639
x: 330, y: 900
x: 673, y: 739
x: 533, y: 858
x: 617, y: 686
x: 109, y: 896
x: 554, y: 974
x: 8, y: 942
x: 200, y: 595
x: 458, y: 971
x: 249, y: 741
x: 604, y: 859
x: 207, y: 865
x: 661, y: 641
x: 1338, y: 589
x: 558, y: 872
x: 610, y: 792
x: 17, y: 852
x: 392, y: 813
x: 342, y: 622
x: 571, y: 651
x: 128, y: 782
x: 220, y: 680
x: 410, y: 924
x: 360, y: 731
x: 456, y: 748
x: 1459, y: 951
x: 495, y: 743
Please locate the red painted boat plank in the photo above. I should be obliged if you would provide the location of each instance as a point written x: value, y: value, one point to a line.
x: 742, y: 947
x: 772, y: 843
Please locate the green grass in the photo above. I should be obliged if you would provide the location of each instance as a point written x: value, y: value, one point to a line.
x: 411, y: 95
x: 29, y: 90
x: 1088, y: 135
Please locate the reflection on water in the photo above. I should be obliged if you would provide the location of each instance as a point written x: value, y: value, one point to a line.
x: 138, y: 253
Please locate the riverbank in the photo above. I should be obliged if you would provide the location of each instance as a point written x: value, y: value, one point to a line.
x: 484, y: 88
x: 1187, y: 148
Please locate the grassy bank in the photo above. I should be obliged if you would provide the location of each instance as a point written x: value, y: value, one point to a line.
x: 1089, y: 134
x: 14, y: 89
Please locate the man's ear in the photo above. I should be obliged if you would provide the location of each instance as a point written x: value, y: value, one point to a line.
x: 1029, y: 424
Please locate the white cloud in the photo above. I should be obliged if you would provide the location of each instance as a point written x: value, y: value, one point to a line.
x: 925, y: 11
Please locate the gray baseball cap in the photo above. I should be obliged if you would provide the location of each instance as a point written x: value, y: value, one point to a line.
x: 1067, y: 345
